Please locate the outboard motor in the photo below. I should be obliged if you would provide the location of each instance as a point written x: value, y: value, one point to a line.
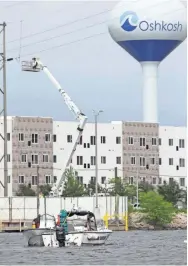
x: 60, y: 236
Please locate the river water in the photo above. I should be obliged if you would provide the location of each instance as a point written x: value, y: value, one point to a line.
x: 122, y: 248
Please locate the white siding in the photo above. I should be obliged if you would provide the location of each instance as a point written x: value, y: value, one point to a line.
x: 110, y: 149
x: 165, y: 152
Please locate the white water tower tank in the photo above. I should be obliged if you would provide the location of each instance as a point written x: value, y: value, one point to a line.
x: 149, y: 30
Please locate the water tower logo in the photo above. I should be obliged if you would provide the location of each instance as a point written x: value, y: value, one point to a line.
x: 129, y: 21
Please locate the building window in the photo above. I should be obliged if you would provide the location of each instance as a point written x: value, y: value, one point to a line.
x: 8, y: 158
x: 142, y: 142
x: 47, y: 137
x: 171, y: 161
x: 34, y: 180
x: 21, y: 179
x: 24, y: 158
x: 69, y: 138
x: 118, y: 160
x: 8, y: 136
x: 55, y: 159
x: 34, y: 158
x: 170, y: 142
x: 118, y: 140
x: 133, y: 160
x: 54, y: 138
x: 79, y: 160
x: 103, y: 179
x: 80, y: 179
x: 181, y: 162
x: 103, y: 160
x: 181, y: 143
x: 154, y: 141
x: 55, y: 179
x: 93, y: 160
x: 8, y: 179
x: 142, y: 161
x: 34, y: 138
x: 160, y: 181
x: 130, y: 141
x: 171, y: 180
x: 92, y: 140
x: 80, y: 140
x: 21, y: 137
x: 103, y: 139
x: 48, y: 179
x: 154, y: 181
x: 182, y: 182
x: 45, y: 158
x: 153, y: 161
x: 131, y: 180
x: 160, y: 141
x: 160, y: 161
x: 93, y: 180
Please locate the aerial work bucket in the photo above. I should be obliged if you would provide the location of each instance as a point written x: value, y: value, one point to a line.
x: 28, y: 66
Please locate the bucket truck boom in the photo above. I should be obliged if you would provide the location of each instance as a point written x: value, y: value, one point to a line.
x: 36, y: 66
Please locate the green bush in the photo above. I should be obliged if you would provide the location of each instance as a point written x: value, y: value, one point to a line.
x: 158, y: 211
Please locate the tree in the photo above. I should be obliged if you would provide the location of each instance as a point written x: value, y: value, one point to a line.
x: 25, y: 190
x: 90, y: 190
x: 72, y: 187
x: 145, y: 187
x: 45, y: 189
x: 130, y: 192
x: 172, y: 192
x: 158, y: 211
x: 117, y: 187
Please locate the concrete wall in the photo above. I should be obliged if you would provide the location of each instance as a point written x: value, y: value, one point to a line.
x: 24, y: 208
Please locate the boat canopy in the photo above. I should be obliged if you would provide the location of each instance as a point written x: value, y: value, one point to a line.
x: 80, y: 213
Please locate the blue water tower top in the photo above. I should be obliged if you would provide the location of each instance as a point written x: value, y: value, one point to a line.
x: 149, y: 30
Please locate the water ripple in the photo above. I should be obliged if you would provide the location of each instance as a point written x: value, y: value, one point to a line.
x: 133, y: 248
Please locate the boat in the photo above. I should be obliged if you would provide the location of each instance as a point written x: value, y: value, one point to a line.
x: 41, y: 224
x: 82, y: 232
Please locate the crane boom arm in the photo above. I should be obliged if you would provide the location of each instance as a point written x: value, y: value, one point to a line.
x: 58, y: 186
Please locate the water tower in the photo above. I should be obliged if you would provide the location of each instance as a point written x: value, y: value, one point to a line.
x: 149, y: 30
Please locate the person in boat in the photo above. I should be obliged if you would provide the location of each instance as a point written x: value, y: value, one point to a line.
x: 37, y: 221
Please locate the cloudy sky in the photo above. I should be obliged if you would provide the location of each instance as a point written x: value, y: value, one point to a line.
x: 72, y: 39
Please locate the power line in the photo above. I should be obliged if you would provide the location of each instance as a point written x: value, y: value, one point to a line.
x: 74, y: 21
x: 59, y: 26
x: 58, y: 36
x: 64, y: 44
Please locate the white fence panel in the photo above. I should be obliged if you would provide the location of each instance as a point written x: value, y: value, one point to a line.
x: 4, y: 208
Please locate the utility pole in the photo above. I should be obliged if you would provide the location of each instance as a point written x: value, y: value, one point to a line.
x: 96, y: 114
x: 3, y: 111
x: 38, y: 200
x: 137, y: 176
x: 4, y: 108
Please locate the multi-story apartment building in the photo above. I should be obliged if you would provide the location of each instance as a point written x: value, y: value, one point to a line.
x: 109, y: 150
x: 30, y: 152
x: 148, y: 151
x: 140, y: 152
x: 173, y: 152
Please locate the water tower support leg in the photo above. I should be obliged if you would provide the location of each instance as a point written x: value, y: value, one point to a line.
x: 150, y: 70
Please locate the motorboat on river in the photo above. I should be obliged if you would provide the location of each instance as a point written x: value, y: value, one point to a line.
x: 43, y: 223
x: 80, y: 231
